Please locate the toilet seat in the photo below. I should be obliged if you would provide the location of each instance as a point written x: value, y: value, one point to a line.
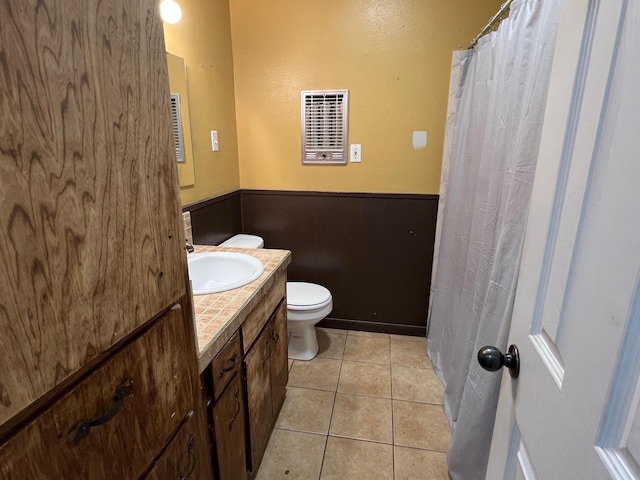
x: 302, y: 296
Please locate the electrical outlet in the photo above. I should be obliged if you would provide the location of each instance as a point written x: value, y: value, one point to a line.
x: 356, y: 153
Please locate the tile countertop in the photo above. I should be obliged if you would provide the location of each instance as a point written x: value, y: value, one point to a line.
x: 219, y: 315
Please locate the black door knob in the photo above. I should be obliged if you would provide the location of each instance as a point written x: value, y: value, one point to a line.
x: 492, y: 359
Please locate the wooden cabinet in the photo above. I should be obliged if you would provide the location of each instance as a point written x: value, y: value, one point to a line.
x: 259, y: 398
x: 229, y: 422
x: 90, y: 232
x: 264, y: 374
x: 188, y: 456
x: 279, y: 358
x: 267, y: 372
x: 98, y: 371
x: 127, y: 409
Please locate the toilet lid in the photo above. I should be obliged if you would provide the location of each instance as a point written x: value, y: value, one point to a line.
x: 302, y: 295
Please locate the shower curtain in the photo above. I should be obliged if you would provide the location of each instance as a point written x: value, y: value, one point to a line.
x: 496, y: 107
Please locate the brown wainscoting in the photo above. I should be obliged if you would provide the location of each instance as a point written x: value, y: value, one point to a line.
x: 373, y: 251
x: 216, y: 219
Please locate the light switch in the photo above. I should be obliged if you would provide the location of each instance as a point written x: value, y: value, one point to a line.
x: 356, y: 153
x: 214, y: 141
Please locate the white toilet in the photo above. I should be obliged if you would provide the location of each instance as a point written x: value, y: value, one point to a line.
x: 307, y: 304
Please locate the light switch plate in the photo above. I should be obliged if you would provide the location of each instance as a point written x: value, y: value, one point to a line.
x: 214, y: 141
x: 356, y: 153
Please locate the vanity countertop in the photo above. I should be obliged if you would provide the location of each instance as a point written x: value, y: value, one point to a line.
x: 219, y: 315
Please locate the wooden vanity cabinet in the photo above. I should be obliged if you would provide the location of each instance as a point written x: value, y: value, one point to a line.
x: 245, y: 397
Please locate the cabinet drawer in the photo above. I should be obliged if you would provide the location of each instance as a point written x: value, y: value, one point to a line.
x: 259, y: 315
x: 187, y: 456
x: 129, y: 408
x: 226, y: 364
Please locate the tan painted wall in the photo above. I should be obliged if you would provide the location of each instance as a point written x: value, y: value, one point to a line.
x: 203, y: 39
x: 393, y: 55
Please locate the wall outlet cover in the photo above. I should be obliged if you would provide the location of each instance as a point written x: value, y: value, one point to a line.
x: 356, y: 153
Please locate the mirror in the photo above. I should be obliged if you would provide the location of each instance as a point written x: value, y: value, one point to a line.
x: 182, y: 126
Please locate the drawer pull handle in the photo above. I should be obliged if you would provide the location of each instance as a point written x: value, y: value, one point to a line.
x: 192, y: 458
x: 122, y: 392
x: 236, y: 399
x: 232, y: 365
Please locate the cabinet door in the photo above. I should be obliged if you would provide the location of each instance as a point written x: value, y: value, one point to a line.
x: 115, y: 422
x: 229, y: 425
x: 188, y: 456
x: 258, y: 373
x: 279, y: 358
x: 90, y: 228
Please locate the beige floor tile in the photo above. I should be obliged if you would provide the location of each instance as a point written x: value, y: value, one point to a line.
x: 356, y: 460
x: 319, y: 373
x: 365, y: 379
x: 415, y: 385
x: 412, y: 464
x: 330, y: 345
x: 358, y: 333
x: 362, y: 418
x: 334, y: 331
x: 420, y: 425
x: 306, y: 410
x: 409, y: 353
x: 367, y: 349
x: 290, y: 364
x: 292, y: 455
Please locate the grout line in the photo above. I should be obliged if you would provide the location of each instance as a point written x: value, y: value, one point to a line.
x: 393, y: 427
x: 421, y: 449
x: 362, y: 440
x: 326, y: 441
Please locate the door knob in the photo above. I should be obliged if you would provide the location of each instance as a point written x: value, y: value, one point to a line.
x: 492, y: 359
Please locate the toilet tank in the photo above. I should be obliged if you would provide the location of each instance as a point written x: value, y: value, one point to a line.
x: 243, y: 240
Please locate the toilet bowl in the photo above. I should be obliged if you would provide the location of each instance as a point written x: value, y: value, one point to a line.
x: 307, y: 304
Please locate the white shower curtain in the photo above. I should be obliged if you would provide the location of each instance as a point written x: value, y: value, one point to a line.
x: 496, y: 107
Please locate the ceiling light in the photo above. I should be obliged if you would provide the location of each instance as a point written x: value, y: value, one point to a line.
x: 170, y: 11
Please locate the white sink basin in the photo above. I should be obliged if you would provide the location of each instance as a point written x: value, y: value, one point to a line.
x: 221, y: 271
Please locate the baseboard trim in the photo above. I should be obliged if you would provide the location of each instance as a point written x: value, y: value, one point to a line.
x: 366, y: 326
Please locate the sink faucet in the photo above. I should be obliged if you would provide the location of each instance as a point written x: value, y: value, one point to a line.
x: 189, y: 247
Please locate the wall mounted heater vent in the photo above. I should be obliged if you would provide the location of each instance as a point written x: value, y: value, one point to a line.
x: 325, y: 118
x: 176, y: 121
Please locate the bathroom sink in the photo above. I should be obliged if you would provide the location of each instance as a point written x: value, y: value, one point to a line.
x: 215, y: 272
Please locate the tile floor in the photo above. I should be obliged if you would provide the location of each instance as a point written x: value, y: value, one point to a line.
x: 368, y: 407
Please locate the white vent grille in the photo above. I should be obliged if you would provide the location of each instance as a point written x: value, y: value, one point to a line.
x: 176, y: 120
x: 324, y: 126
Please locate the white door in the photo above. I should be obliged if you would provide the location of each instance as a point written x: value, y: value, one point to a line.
x: 574, y: 413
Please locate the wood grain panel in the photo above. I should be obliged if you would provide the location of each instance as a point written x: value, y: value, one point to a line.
x: 230, y: 425
x: 259, y: 316
x: 188, y: 456
x: 126, y: 445
x: 90, y: 232
x: 259, y: 401
x: 279, y: 358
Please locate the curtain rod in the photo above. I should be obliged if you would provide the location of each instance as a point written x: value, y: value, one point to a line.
x: 488, y: 26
